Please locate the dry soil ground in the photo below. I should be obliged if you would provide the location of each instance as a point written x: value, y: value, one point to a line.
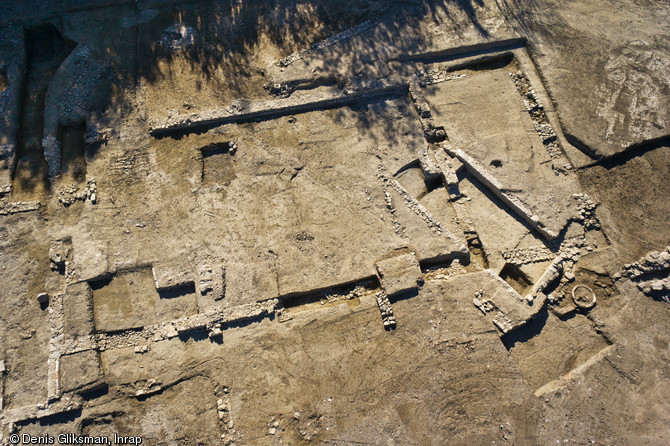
x: 341, y: 223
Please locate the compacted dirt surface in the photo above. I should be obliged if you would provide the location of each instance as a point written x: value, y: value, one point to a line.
x: 341, y: 223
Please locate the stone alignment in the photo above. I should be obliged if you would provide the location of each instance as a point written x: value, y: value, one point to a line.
x: 651, y: 273
x: 416, y: 207
x: 653, y: 262
x: 198, y: 122
x: 399, y: 274
x: 497, y: 188
x: 332, y: 40
x: 8, y: 208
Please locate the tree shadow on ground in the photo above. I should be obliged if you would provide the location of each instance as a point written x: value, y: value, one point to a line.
x: 227, y: 46
x: 223, y: 43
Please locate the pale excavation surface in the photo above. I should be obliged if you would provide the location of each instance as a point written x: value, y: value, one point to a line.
x: 338, y: 223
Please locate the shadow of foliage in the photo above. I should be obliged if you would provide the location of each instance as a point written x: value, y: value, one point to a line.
x: 228, y: 33
x: 218, y: 51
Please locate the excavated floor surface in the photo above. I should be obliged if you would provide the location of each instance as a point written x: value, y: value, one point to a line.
x: 340, y: 223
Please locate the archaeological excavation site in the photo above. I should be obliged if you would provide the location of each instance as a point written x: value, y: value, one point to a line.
x: 324, y: 222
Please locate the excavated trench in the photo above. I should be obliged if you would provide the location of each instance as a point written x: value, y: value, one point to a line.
x: 348, y: 293
x: 218, y: 166
x: 45, y: 51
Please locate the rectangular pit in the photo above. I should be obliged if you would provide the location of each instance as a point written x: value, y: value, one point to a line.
x: 217, y: 163
x: 130, y: 300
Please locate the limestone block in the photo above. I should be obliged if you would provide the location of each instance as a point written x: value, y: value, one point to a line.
x: 59, y: 251
x: 43, y: 298
x: 399, y: 274
x: 602, y: 261
x: 500, y: 303
x: 212, y: 281
x: 169, y: 277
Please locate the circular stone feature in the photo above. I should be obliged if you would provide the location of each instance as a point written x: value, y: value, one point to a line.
x: 583, y: 296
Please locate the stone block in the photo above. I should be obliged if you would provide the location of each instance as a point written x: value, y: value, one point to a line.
x: 169, y: 277
x: 399, y: 274
x: 43, y: 298
x: 212, y: 281
x: 59, y: 251
x: 78, y: 310
x: 81, y: 372
x: 512, y: 310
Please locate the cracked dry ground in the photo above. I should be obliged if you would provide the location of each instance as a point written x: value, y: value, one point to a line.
x: 340, y: 223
